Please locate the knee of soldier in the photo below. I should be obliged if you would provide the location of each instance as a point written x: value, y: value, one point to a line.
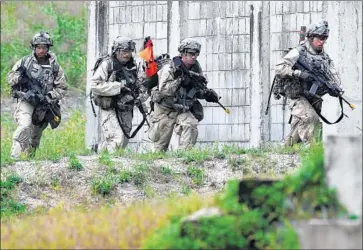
x: 22, y: 134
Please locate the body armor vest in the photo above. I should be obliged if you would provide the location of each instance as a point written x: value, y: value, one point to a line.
x: 45, y: 72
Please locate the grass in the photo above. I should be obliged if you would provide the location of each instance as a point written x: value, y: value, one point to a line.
x: 106, y: 226
x: 68, y: 30
x: 67, y: 139
x: 9, y: 205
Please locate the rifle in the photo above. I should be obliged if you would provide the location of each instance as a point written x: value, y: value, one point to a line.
x: 30, y: 90
x: 199, y: 81
x: 319, y: 79
x: 135, y: 92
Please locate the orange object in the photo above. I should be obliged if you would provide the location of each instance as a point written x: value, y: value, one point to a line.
x: 148, y: 55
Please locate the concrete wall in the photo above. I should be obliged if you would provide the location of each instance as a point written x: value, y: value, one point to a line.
x: 241, y: 43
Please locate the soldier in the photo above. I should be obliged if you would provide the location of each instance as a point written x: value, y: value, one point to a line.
x: 176, y: 105
x: 31, y: 114
x: 112, y: 87
x: 306, y: 107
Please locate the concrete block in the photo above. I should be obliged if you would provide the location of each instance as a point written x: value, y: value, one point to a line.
x: 193, y: 10
x: 343, y: 165
x: 316, y: 17
x: 211, y: 27
x: 209, y: 66
x: 235, y: 99
x: 229, y: 44
x: 162, y: 46
x: 237, y: 61
x: 137, y: 14
x: 293, y: 7
x: 278, y: 7
x: 222, y: 79
x: 272, y: 8
x: 247, y: 62
x: 160, y: 12
x: 235, y: 43
x: 300, y: 6
x: 276, y: 132
x: 128, y: 15
x: 306, y: 6
x: 229, y: 78
x: 201, y: 132
x: 150, y: 30
x: 319, y: 6
x: 329, y: 234
x: 136, y: 30
x: 208, y: 115
x: 237, y: 132
x: 218, y: 115
x: 229, y: 26
x: 215, y: 44
x: 122, y: 15
x: 242, y: 96
x: 239, y: 115
x: 306, y: 18
x: 286, y: 7
x: 215, y: 62
x: 241, y: 26
x: 247, y: 112
x: 211, y: 133
x: 224, y: 132
x: 300, y: 20
x: 161, y: 30
x: 292, y: 23
x: 247, y: 132
x: 203, y: 10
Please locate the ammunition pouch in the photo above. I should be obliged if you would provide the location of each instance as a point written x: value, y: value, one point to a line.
x: 104, y: 102
x: 44, y: 113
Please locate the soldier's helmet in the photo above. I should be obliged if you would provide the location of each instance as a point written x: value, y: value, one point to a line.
x: 189, y: 43
x: 41, y: 38
x: 124, y: 44
x: 320, y: 29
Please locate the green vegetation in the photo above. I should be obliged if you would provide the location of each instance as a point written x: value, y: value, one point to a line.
x: 249, y: 222
x: 9, y: 206
x: 68, y: 30
x: 66, y: 140
x: 74, y: 163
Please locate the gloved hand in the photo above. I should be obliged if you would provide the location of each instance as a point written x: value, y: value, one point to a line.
x: 49, y: 98
x: 211, y: 96
x: 305, y: 76
x: 335, y: 92
x: 186, y: 81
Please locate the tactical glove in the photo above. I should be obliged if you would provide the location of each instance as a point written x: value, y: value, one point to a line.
x: 305, y: 76
x: 211, y: 96
x: 186, y: 81
x: 335, y: 92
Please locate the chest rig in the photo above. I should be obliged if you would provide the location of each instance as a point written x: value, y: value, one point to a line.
x: 44, y: 72
x: 319, y: 63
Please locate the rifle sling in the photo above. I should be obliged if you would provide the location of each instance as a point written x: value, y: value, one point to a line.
x: 340, y: 117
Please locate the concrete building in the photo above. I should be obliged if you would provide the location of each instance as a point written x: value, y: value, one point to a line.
x: 241, y: 43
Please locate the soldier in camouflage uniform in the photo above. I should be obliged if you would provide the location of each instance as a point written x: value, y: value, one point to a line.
x: 111, y: 92
x: 41, y: 65
x: 176, y: 105
x: 305, y: 122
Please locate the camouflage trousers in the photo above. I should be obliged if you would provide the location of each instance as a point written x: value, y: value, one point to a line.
x: 112, y: 136
x: 164, y: 122
x: 305, y: 122
x: 26, y: 135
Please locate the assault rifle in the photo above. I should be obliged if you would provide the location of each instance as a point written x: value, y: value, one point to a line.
x: 321, y: 78
x: 135, y: 93
x: 199, y: 81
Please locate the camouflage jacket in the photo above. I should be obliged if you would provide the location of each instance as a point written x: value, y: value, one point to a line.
x: 50, y: 74
x: 285, y: 69
x: 170, y: 93
x: 108, y: 84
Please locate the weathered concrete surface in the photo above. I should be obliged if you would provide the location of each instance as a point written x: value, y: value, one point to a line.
x: 241, y: 43
x: 343, y: 164
x: 329, y: 234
